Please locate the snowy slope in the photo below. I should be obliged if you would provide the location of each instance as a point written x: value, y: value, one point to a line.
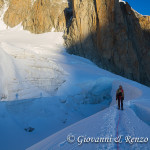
x: 103, y: 125
x: 43, y: 87
x: 27, y: 71
x: 133, y: 122
x: 37, y: 66
x: 109, y: 123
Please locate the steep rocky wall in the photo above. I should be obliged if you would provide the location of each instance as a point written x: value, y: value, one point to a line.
x: 110, y: 34
x: 145, y: 22
x: 84, y: 24
x: 145, y: 25
x: 37, y: 16
x: 17, y: 12
x: 45, y: 15
x: 1, y: 3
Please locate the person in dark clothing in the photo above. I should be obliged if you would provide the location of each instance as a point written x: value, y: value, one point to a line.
x: 120, y: 97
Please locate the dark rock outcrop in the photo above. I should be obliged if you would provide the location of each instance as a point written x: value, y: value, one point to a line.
x: 110, y: 34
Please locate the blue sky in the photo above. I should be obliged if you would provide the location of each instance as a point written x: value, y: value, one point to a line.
x: 141, y: 6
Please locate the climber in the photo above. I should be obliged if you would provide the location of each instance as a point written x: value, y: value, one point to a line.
x: 120, y: 97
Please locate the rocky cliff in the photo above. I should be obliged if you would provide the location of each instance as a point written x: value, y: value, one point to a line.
x: 145, y: 22
x: 45, y: 15
x: 37, y: 16
x: 1, y: 3
x: 17, y: 12
x: 110, y: 34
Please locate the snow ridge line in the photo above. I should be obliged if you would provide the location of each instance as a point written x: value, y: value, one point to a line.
x: 117, y: 130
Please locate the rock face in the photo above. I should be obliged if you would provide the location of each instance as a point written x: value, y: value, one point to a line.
x: 82, y: 30
x: 17, y: 12
x: 145, y: 25
x: 145, y: 22
x: 45, y: 15
x: 110, y: 34
x: 1, y: 3
x: 37, y: 17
